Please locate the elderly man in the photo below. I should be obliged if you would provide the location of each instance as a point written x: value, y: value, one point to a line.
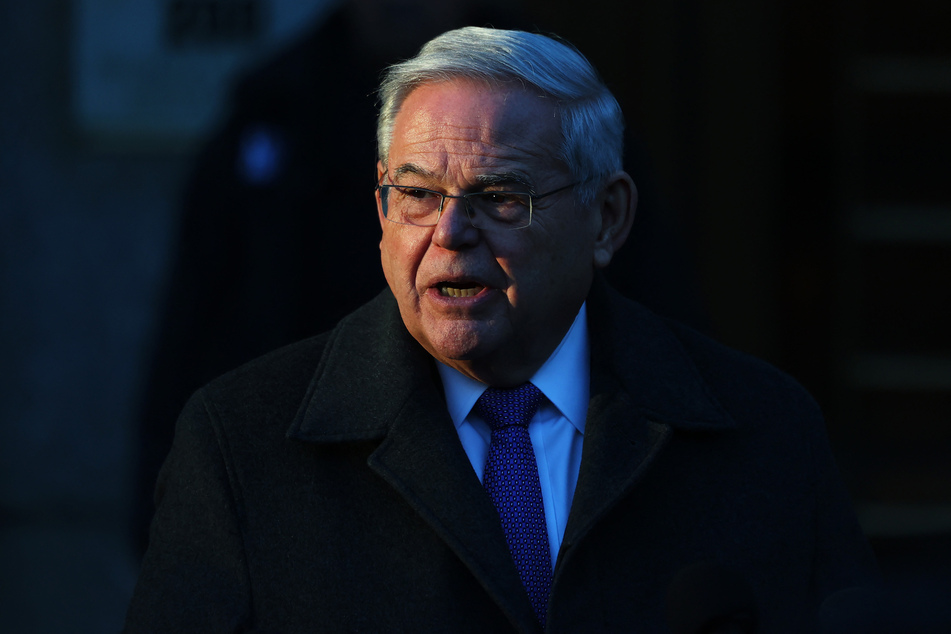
x: 498, y: 442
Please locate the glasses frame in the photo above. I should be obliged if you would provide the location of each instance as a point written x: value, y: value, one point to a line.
x: 384, y: 192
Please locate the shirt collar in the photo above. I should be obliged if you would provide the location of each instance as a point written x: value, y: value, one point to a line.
x: 563, y: 379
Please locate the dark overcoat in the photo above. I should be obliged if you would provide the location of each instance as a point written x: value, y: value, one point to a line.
x: 323, y: 488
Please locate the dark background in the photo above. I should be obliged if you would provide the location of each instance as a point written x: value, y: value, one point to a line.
x: 800, y: 147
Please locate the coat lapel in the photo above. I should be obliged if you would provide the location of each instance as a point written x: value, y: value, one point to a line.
x: 375, y: 382
x: 644, y: 388
x: 620, y: 444
x: 423, y: 459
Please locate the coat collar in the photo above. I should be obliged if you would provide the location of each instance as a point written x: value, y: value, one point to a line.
x: 641, y: 352
x: 372, y: 367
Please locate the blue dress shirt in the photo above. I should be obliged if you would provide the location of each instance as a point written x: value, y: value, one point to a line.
x: 557, y: 429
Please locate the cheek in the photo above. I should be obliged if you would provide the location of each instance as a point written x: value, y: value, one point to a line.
x: 390, y: 257
x: 401, y: 255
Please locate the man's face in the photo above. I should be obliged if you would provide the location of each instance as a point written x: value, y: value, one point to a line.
x: 523, y: 286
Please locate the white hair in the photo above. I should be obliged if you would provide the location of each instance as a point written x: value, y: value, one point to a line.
x: 592, y: 125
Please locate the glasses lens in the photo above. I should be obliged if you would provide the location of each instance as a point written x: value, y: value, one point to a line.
x: 501, y: 209
x: 411, y: 205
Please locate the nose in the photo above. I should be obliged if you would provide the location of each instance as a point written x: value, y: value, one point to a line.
x: 454, y: 230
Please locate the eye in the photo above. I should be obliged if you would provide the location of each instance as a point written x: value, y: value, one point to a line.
x: 417, y: 193
x: 504, y: 199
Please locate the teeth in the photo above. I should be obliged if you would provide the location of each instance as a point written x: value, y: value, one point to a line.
x: 452, y: 291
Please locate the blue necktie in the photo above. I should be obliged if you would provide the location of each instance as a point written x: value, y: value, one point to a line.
x: 511, y: 480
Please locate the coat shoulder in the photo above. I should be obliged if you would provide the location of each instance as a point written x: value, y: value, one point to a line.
x: 273, y: 384
x: 278, y: 384
x: 741, y: 381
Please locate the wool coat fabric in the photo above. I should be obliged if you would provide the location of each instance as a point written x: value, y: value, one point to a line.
x: 323, y: 488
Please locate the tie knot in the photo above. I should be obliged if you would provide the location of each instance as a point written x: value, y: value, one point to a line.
x: 506, y: 407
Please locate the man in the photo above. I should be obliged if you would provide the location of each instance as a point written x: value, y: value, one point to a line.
x: 499, y: 442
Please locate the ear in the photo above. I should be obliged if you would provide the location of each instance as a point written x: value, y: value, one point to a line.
x: 380, y: 170
x: 616, y: 204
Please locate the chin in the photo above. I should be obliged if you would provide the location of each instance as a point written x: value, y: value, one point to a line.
x: 459, y: 340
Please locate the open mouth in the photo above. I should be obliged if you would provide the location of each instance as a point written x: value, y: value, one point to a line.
x: 459, y: 289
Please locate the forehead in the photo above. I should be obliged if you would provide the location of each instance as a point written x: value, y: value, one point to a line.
x: 469, y: 125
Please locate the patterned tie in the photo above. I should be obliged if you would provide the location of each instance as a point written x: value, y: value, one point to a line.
x: 511, y: 480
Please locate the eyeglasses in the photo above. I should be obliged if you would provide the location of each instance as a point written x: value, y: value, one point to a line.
x: 486, y: 210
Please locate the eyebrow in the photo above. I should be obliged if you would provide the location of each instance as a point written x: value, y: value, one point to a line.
x: 506, y: 178
x: 410, y: 168
x: 486, y: 180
